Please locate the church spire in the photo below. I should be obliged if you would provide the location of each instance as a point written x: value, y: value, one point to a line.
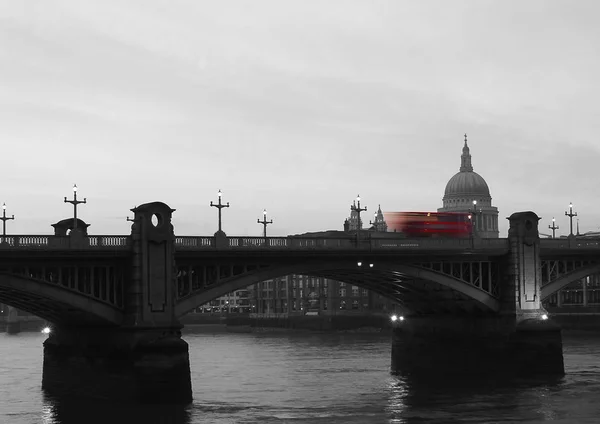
x: 379, y: 223
x: 465, y: 158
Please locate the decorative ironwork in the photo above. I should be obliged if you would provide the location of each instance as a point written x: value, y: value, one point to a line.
x: 101, y: 282
x: 481, y: 274
x: 193, y: 278
x: 552, y: 270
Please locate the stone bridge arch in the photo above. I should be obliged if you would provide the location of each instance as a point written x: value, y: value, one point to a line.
x: 345, y: 272
x: 55, y: 303
x: 564, y: 280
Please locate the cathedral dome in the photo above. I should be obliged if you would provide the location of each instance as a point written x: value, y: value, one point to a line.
x: 467, y: 184
x: 467, y: 192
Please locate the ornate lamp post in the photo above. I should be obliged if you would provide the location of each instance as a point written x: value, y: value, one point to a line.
x: 358, y: 210
x: 553, y: 227
x: 219, y: 206
x: 264, y: 222
x: 75, y: 202
x: 4, y: 219
x: 571, y: 214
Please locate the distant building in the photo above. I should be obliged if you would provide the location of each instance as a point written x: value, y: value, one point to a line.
x: 236, y: 301
x: 465, y: 187
x: 301, y: 294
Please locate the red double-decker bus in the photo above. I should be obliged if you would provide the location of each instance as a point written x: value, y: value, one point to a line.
x: 430, y: 224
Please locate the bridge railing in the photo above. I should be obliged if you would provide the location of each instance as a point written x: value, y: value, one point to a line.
x: 120, y: 242
x: 110, y: 241
x: 193, y: 243
x: 323, y: 243
x: 572, y: 243
x: 63, y: 242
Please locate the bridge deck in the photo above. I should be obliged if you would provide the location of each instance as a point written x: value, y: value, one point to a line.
x: 201, y: 243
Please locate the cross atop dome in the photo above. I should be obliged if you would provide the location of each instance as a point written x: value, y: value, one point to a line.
x: 465, y: 158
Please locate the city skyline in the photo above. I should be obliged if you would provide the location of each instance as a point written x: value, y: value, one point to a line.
x: 295, y: 109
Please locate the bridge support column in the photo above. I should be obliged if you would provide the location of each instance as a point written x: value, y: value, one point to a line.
x: 13, y: 324
x: 517, y: 341
x: 143, y: 360
x: 537, y: 339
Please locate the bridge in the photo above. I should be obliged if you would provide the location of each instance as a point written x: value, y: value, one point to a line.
x: 115, y: 301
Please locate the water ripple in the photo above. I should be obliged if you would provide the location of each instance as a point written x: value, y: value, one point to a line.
x: 311, y: 378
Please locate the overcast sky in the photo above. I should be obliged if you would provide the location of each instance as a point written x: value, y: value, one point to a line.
x: 296, y: 107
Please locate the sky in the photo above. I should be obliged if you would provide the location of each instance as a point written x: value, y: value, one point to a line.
x: 295, y: 107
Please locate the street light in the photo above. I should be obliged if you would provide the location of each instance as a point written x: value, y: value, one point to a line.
x: 571, y: 214
x: 358, y: 210
x: 374, y: 222
x: 219, y: 206
x: 553, y: 227
x: 75, y: 202
x: 4, y: 219
x: 264, y: 222
x: 473, y: 216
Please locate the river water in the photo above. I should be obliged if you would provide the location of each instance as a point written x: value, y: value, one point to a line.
x: 310, y: 378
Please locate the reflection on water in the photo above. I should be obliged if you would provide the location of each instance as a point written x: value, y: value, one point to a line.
x: 72, y: 411
x: 311, y: 378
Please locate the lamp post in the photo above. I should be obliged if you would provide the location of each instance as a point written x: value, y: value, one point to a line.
x: 4, y: 219
x: 473, y: 216
x: 358, y: 210
x: 553, y: 227
x: 571, y: 214
x: 374, y: 222
x: 219, y: 206
x: 264, y: 222
x: 75, y: 202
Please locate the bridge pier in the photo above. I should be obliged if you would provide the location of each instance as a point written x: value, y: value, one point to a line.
x: 518, y: 340
x: 475, y: 346
x: 13, y: 324
x: 144, y: 359
x: 132, y: 365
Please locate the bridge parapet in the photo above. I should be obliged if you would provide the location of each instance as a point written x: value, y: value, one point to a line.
x: 122, y: 242
x: 570, y: 243
x: 22, y: 242
x: 325, y: 243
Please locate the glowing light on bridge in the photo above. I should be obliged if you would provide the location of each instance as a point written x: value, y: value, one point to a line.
x: 395, y: 318
x: 571, y: 214
x: 544, y: 316
x: 46, y: 330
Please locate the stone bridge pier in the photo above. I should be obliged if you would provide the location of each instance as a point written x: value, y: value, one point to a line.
x: 144, y: 359
x: 519, y: 340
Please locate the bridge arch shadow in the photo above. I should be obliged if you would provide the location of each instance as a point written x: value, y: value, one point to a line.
x: 564, y: 280
x: 386, y: 279
x: 55, y: 303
